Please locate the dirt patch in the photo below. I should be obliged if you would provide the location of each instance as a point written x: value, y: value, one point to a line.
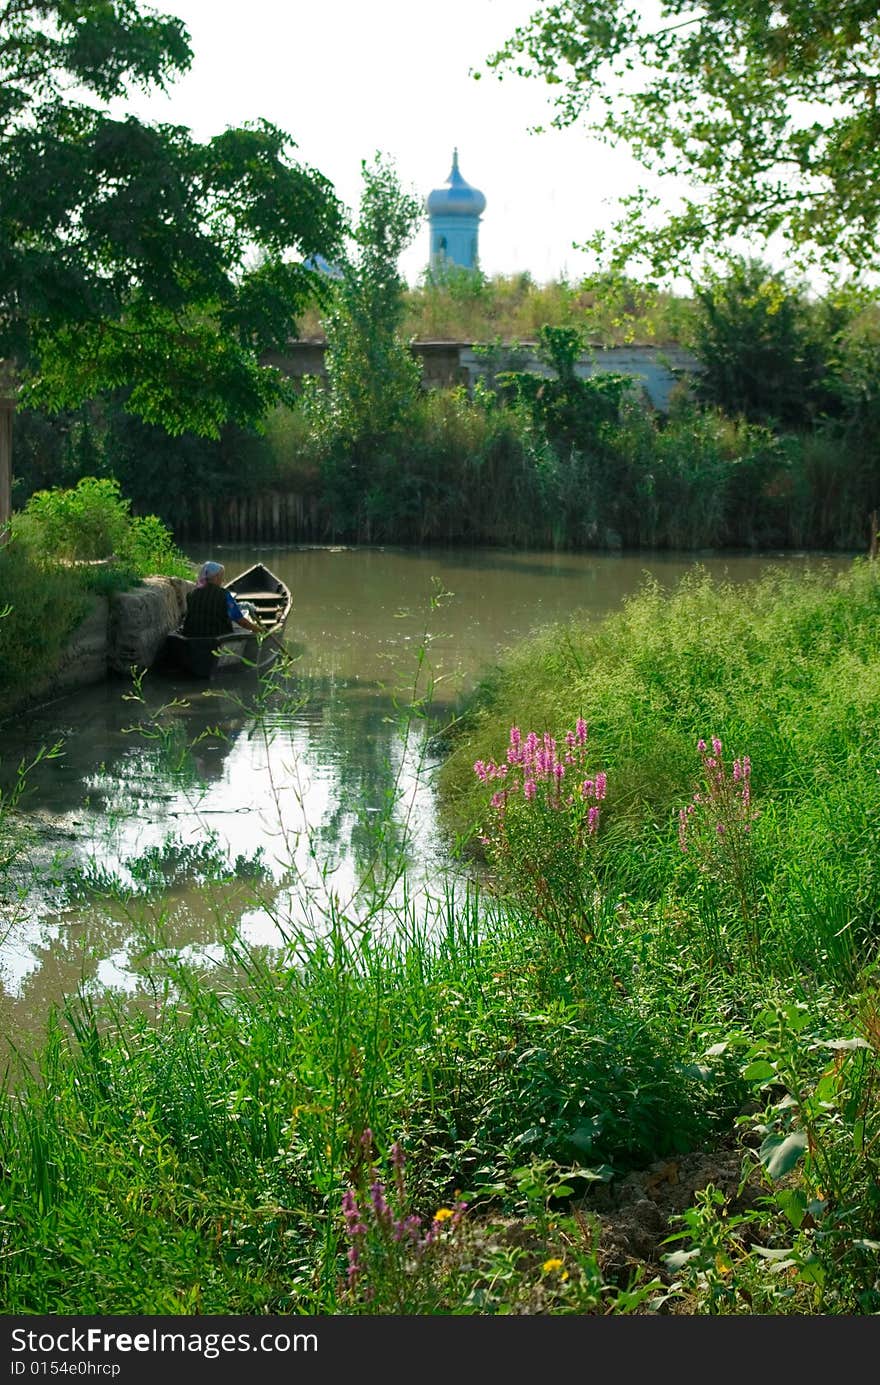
x: 635, y: 1214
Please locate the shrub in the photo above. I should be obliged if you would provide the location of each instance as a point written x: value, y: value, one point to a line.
x: 90, y: 523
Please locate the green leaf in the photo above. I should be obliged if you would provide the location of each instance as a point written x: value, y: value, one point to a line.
x: 780, y: 1153
x: 759, y: 1071
x: 792, y: 1203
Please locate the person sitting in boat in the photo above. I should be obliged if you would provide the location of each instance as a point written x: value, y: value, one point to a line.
x: 211, y: 610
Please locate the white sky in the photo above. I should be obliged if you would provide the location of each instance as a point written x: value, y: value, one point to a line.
x: 348, y: 78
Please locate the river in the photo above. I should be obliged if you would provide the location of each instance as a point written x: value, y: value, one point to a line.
x: 173, y: 812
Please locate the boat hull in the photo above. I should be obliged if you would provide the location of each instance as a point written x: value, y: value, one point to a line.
x: 206, y: 657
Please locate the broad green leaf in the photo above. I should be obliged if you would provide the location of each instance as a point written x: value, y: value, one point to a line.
x: 793, y: 1203
x: 759, y: 1071
x: 780, y: 1153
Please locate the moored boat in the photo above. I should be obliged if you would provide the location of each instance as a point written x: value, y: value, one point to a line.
x: 267, y: 601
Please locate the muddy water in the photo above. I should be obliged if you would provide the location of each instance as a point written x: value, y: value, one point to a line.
x: 265, y: 808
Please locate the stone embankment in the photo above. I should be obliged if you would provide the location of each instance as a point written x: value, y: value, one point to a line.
x: 119, y: 632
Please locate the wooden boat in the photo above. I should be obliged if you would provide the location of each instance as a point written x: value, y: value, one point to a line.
x: 203, y: 657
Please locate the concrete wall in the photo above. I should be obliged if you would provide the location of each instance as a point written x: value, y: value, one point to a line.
x: 446, y: 363
x: 139, y: 620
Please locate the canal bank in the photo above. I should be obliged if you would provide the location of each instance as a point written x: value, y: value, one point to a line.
x: 119, y: 632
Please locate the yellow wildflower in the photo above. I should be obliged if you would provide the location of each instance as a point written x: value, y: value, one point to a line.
x: 550, y: 1265
x: 443, y: 1213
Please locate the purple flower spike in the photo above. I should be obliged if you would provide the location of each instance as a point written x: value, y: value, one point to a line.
x: 377, y: 1197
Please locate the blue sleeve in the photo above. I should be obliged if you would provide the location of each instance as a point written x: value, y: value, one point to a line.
x: 232, y: 606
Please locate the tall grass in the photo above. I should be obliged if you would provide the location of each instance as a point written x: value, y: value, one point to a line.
x: 221, y: 1137
x: 474, y: 308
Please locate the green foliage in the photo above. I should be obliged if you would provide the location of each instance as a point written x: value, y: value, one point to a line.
x: 760, y: 349
x: 233, y: 1122
x: 92, y: 522
x: 783, y: 673
x: 575, y: 412
x: 43, y: 607
x: 135, y: 258
x: 810, y: 1243
x: 372, y: 378
x: 467, y: 306
x: 65, y: 546
x: 764, y: 109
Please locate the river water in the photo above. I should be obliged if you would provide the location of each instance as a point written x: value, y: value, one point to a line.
x: 313, y: 789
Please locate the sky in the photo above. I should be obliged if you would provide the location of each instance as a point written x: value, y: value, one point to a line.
x: 349, y: 78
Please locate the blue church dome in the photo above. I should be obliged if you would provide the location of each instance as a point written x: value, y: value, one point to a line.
x: 457, y: 197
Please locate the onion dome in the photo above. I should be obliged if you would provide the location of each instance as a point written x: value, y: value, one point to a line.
x: 456, y: 197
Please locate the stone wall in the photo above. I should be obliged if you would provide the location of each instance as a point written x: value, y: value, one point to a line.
x: 139, y: 621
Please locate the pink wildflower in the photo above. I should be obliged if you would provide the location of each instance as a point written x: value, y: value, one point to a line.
x: 592, y: 819
x: 377, y: 1197
x: 601, y: 785
x: 529, y: 788
x: 581, y: 730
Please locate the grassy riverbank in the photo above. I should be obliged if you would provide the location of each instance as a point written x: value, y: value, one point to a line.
x: 64, y: 547
x: 299, y: 1134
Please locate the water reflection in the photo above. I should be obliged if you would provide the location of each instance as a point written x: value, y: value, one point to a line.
x: 303, y: 788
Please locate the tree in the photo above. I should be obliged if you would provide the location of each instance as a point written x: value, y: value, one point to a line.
x: 133, y: 258
x: 767, y: 107
x: 766, y: 352
x: 372, y: 376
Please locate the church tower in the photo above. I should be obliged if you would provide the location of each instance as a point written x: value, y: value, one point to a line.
x: 454, y: 213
